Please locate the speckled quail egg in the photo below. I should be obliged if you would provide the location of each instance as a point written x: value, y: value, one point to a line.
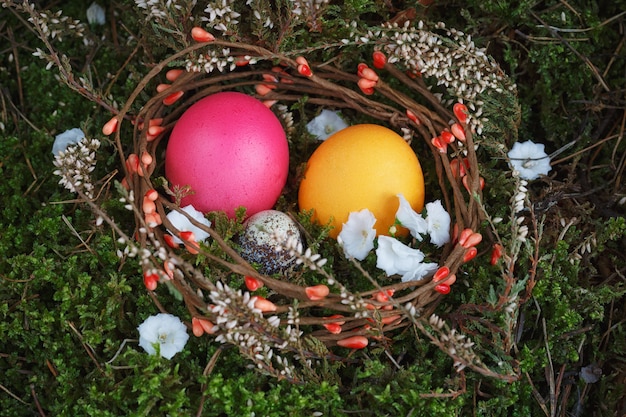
x: 259, y: 241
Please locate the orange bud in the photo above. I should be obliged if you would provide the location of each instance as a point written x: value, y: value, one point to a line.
x: 208, y: 327
x: 366, y: 84
x: 441, y: 273
x: 150, y: 280
x: 451, y: 279
x: 269, y: 103
x: 132, y: 163
x: 169, y: 240
x: 305, y: 70
x: 196, y: 327
x: 110, y: 126
x: 353, y: 342
x: 146, y: 158
x: 439, y: 144
x: 155, y: 130
x: 200, y: 35
x: 465, y: 233
x: 152, y: 194
x: 253, y: 283
x: 446, y: 136
x: 264, y: 304
x: 302, y: 61
x: 162, y: 87
x: 153, y: 219
x: 172, y: 98
x: 458, y: 132
x: 413, y: 117
x: 241, y: 62
x: 381, y: 297
x: 496, y: 253
x: 173, y: 74
x: 169, y: 269
x: 470, y: 254
x: 442, y: 288
x: 360, y: 68
x: 263, y: 89
x: 390, y: 319
x: 270, y: 78
x: 148, y: 206
x: 472, y: 240
x: 317, y: 292
x: 460, y: 112
x: 380, y: 59
x: 334, y: 328
x: 187, y: 236
x: 369, y: 74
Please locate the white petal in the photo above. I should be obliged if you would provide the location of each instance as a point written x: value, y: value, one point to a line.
x: 410, y: 219
x: 357, y: 234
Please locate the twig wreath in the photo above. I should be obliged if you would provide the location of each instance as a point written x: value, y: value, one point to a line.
x: 307, y: 322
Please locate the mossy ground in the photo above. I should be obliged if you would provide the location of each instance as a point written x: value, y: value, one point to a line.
x: 67, y: 305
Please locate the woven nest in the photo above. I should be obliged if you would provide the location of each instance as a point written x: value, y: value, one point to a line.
x: 409, y: 105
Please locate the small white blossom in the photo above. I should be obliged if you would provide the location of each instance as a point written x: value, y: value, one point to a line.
x: 75, y: 163
x: 529, y: 159
x: 410, y: 219
x: 183, y: 224
x: 164, y: 330
x: 96, y: 14
x: 438, y: 221
x: 394, y: 257
x: 326, y: 124
x: 357, y: 234
x: 69, y: 137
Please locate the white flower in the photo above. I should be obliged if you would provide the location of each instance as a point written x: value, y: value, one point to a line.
x: 95, y: 14
x: 184, y: 225
x: 420, y: 271
x: 438, y: 221
x: 164, y: 330
x: 394, y: 257
x: 326, y: 124
x: 410, y: 219
x: 529, y: 159
x: 357, y: 234
x: 63, y: 140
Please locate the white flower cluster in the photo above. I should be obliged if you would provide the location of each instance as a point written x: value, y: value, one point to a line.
x: 294, y: 247
x: 75, y: 164
x: 454, y: 60
x: 309, y: 11
x: 265, y: 21
x: 220, y: 14
x: 256, y: 336
x: 158, y: 9
x: 455, y: 344
x: 52, y: 25
x: 520, y: 201
x: 214, y: 60
x: 392, y: 256
x: 287, y: 118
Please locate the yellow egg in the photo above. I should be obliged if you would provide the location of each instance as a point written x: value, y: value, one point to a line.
x: 361, y: 167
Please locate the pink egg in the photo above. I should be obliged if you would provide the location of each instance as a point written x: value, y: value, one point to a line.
x: 232, y: 151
